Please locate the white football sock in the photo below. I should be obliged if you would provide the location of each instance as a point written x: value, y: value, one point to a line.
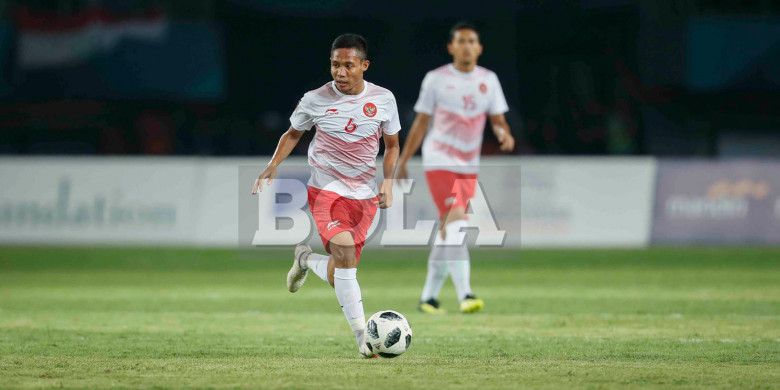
x: 319, y: 265
x: 350, y: 299
x: 458, y: 259
x: 460, y: 271
x: 437, y: 271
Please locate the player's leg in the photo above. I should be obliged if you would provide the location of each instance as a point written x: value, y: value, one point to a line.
x: 439, y: 184
x: 306, y: 260
x: 342, y: 224
x: 320, y: 204
x: 459, y: 259
x: 345, y: 261
x: 434, y: 279
x: 355, y: 217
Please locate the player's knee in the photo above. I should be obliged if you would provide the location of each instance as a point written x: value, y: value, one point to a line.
x: 342, y: 248
x: 343, y: 256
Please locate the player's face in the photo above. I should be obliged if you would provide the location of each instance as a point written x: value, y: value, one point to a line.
x: 347, y: 67
x: 465, y: 47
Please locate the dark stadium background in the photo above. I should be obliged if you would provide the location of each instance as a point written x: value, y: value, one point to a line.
x: 594, y: 77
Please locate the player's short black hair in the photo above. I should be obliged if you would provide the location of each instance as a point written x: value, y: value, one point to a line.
x: 461, y: 26
x: 351, y: 41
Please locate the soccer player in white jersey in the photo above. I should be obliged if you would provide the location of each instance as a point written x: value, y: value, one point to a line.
x: 459, y: 97
x: 350, y: 116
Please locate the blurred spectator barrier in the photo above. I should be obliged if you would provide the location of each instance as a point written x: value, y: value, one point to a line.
x: 539, y: 202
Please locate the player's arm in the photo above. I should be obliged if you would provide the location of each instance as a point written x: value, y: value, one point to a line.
x: 503, y: 132
x: 389, y: 161
x: 286, y: 145
x: 413, y: 142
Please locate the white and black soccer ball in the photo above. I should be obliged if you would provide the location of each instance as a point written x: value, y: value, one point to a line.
x: 388, y: 333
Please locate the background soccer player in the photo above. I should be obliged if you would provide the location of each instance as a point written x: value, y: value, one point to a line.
x: 459, y: 96
x: 349, y: 115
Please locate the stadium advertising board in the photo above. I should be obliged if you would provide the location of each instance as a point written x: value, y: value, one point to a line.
x: 584, y: 202
x: 717, y: 202
x: 97, y: 200
x: 206, y: 202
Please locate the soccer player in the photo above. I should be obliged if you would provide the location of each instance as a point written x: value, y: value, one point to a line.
x: 350, y: 116
x: 459, y: 97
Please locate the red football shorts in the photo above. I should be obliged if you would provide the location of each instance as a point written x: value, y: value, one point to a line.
x: 334, y: 214
x: 450, y: 189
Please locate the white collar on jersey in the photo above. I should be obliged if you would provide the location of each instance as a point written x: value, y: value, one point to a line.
x: 360, y: 95
x: 460, y: 72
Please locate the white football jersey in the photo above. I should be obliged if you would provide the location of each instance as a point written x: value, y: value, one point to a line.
x: 343, y: 152
x: 459, y: 103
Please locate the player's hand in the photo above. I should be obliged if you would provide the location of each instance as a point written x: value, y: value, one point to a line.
x: 268, y: 175
x: 401, y: 173
x: 506, y: 141
x: 385, y: 197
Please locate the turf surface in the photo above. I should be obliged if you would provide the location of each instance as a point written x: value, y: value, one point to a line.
x: 141, y: 318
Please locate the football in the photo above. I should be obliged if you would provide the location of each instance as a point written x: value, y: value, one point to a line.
x: 389, y: 334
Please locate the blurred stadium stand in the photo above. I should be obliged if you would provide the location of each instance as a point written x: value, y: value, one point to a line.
x: 209, y: 77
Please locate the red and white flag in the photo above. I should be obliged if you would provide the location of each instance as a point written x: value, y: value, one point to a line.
x: 47, y: 39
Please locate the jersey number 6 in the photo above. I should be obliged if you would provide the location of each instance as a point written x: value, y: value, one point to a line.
x: 351, y: 126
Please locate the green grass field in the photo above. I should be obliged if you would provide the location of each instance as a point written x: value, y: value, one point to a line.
x: 142, y: 318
